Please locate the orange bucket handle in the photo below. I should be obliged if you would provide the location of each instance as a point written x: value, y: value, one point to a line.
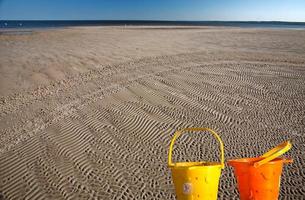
x: 178, y: 133
x: 274, y: 153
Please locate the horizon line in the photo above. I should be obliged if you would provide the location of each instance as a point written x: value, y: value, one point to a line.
x: 148, y: 20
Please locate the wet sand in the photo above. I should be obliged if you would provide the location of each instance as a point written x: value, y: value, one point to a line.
x: 88, y: 113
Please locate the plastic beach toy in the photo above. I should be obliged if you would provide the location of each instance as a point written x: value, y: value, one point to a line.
x: 259, y: 178
x: 196, y: 180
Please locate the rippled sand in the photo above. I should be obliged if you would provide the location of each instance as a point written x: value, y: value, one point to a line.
x: 88, y: 113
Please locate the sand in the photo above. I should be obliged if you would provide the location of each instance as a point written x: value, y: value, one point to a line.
x: 88, y: 113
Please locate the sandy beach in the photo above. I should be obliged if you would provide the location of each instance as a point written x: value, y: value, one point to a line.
x: 89, y: 112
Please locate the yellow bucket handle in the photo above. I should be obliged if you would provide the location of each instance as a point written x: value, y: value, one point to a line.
x: 178, y: 133
x: 274, y: 153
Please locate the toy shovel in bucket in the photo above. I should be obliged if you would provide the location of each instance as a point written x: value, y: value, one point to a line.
x: 259, y: 178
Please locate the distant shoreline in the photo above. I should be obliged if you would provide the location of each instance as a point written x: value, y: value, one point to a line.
x: 21, y: 24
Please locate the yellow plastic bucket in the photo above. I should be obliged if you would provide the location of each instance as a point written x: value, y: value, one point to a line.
x: 196, y: 180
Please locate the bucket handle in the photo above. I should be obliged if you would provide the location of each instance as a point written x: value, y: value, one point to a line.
x: 274, y: 153
x: 178, y: 133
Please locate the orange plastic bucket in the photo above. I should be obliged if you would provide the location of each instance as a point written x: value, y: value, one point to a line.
x: 259, y: 178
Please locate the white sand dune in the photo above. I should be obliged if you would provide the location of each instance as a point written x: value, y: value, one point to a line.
x: 97, y: 124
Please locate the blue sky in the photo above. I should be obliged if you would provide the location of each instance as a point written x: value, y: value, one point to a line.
x: 242, y: 10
